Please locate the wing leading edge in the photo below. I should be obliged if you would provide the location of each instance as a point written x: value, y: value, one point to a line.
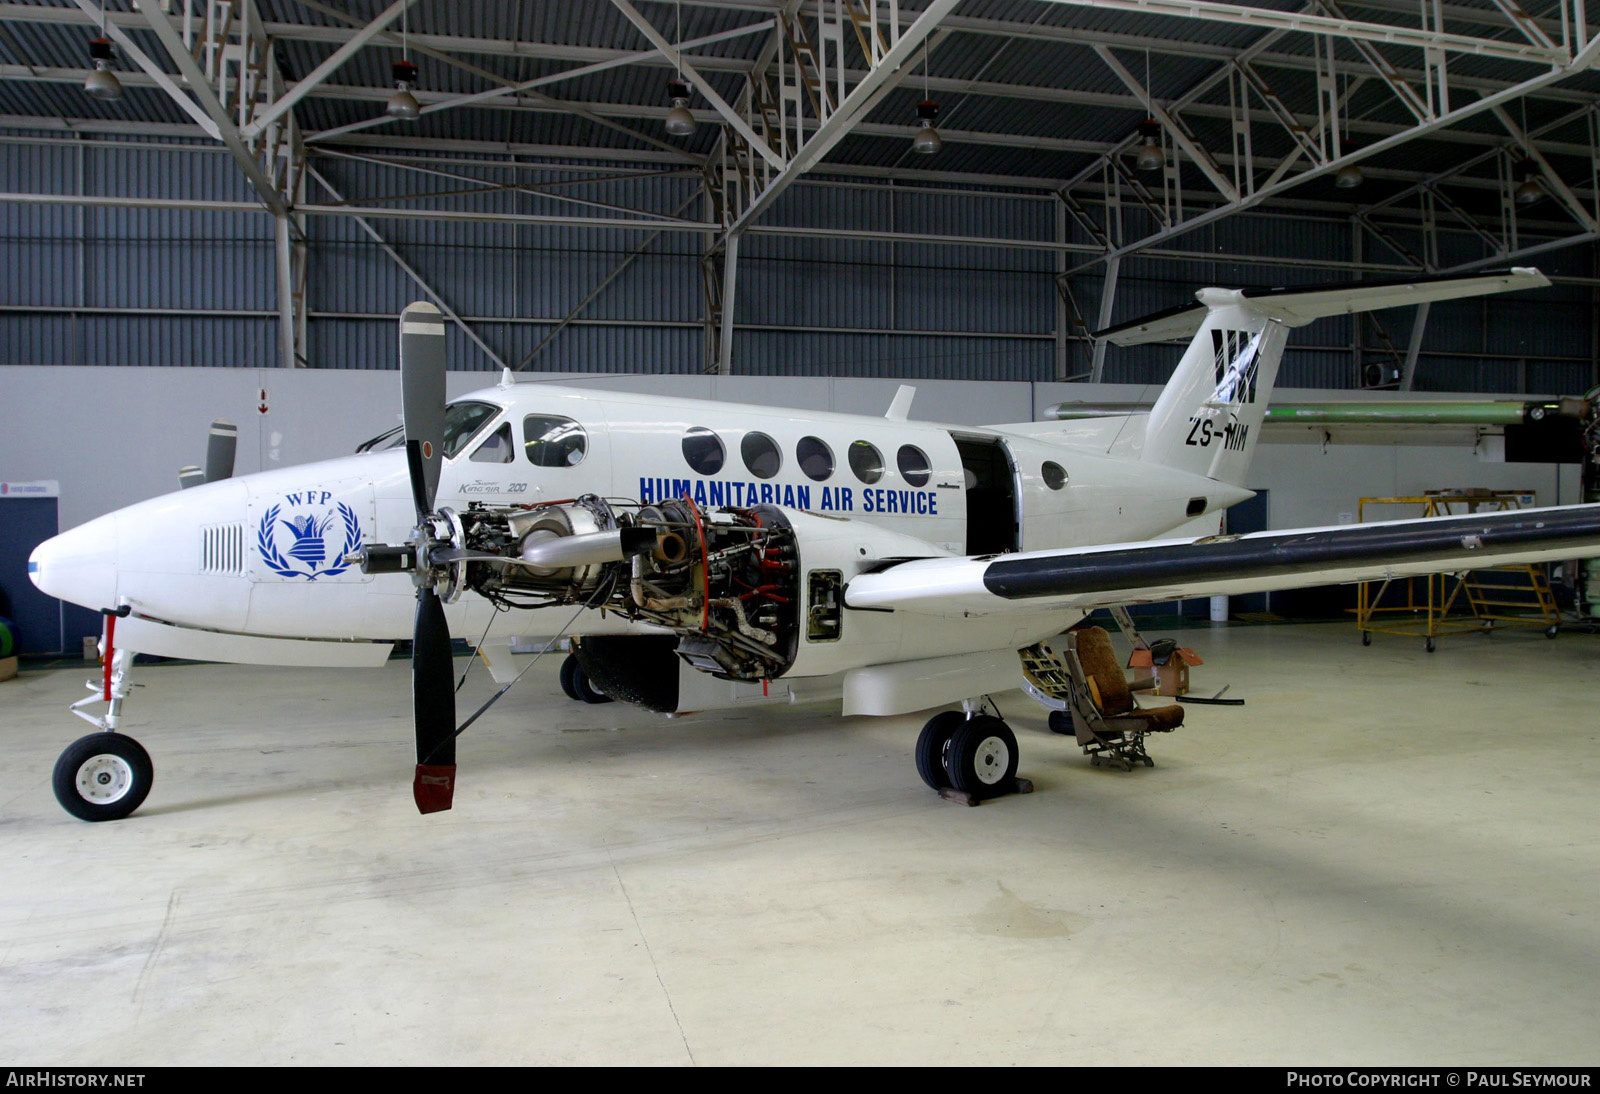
x: 1092, y: 577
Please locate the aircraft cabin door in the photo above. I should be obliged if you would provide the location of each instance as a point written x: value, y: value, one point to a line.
x: 993, y: 521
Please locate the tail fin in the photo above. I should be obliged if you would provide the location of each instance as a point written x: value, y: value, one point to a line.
x: 1208, y: 417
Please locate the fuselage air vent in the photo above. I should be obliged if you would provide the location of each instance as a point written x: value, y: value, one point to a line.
x: 222, y: 549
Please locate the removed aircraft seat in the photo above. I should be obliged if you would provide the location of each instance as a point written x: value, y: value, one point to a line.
x: 1107, y: 721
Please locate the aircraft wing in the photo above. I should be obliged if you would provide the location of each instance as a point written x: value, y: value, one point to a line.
x: 1085, y: 578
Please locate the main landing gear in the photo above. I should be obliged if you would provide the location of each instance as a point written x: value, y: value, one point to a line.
x: 969, y: 756
x: 575, y: 683
x: 106, y: 775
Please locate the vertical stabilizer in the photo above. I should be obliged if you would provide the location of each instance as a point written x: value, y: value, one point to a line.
x: 1208, y: 418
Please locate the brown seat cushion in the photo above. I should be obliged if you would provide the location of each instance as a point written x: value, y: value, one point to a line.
x: 1117, y: 706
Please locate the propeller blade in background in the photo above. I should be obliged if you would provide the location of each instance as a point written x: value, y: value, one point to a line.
x: 433, y: 702
x: 422, y: 395
x: 220, y: 448
x: 190, y: 476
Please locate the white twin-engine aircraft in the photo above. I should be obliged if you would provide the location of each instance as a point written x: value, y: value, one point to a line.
x: 715, y: 554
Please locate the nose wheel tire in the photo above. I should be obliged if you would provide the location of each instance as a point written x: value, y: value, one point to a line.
x: 982, y: 758
x: 101, y: 777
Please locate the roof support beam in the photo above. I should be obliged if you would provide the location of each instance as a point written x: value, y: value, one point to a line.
x: 542, y: 81
x: 405, y: 267
x: 1452, y: 117
x: 1202, y: 159
x: 325, y: 69
x: 888, y: 72
x: 150, y: 68
x: 1269, y: 19
x: 263, y: 183
x: 1562, y: 191
x: 729, y: 114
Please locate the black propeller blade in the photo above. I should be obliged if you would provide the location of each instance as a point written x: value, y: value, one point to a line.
x: 422, y: 399
x: 433, y: 704
x: 433, y: 699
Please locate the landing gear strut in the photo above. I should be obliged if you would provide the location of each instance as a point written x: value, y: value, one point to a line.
x: 106, y: 775
x: 969, y: 756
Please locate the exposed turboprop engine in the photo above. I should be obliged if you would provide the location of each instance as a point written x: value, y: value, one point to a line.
x: 727, y: 582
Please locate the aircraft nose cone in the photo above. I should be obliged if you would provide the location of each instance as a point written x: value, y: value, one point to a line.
x: 79, y: 565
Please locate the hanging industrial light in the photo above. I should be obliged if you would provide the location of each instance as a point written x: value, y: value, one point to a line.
x: 402, y: 104
x: 1529, y: 189
x: 1149, y: 157
x: 679, y: 123
x: 102, y: 82
x: 1350, y: 175
x: 927, y: 141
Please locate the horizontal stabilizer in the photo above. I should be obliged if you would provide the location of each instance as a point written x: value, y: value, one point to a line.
x: 1095, y: 577
x: 1299, y: 305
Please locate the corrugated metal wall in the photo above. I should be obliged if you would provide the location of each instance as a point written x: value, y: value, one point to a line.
x: 172, y: 287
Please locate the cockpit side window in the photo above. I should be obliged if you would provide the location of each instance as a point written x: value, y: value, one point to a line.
x: 553, y: 441
x: 462, y: 421
x: 496, y: 447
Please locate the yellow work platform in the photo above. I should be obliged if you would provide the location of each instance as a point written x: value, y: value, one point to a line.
x: 1473, y: 601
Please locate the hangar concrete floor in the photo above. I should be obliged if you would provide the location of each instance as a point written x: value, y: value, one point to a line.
x: 1385, y: 857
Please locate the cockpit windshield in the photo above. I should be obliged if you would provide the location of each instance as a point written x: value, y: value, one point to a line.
x: 461, y: 422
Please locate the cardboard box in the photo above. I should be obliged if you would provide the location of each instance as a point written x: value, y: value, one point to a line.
x: 8, y: 668
x: 1171, y: 678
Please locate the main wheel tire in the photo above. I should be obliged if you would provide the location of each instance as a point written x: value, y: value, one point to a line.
x: 982, y: 759
x: 101, y: 777
x: 932, y: 744
x: 587, y: 691
x: 568, y: 667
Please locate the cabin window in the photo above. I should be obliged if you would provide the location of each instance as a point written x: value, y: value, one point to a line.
x: 496, y: 447
x: 553, y: 441
x: 761, y: 455
x: 866, y: 461
x: 914, y: 465
x: 1055, y: 476
x: 461, y: 421
x: 703, y: 451
x: 816, y: 458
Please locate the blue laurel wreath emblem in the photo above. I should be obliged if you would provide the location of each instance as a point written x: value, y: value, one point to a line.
x: 309, y: 546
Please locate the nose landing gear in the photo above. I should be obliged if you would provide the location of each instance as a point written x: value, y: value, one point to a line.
x: 106, y: 775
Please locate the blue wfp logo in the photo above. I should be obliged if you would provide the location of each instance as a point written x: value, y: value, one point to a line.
x: 300, y: 535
